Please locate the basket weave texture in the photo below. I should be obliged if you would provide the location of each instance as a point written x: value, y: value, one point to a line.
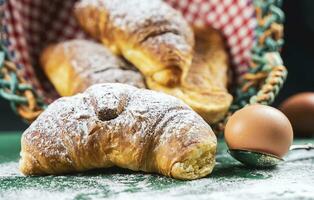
x: 253, y: 32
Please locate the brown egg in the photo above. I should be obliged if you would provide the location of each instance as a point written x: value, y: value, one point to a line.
x: 300, y: 111
x: 259, y: 128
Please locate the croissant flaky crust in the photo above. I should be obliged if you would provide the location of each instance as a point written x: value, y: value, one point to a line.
x: 205, y: 86
x: 72, y: 66
x: 119, y: 125
x: 150, y: 34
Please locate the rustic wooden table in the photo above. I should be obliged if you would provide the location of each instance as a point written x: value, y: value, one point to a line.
x: 293, y: 179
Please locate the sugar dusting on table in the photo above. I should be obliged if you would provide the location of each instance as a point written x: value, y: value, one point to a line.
x: 230, y: 180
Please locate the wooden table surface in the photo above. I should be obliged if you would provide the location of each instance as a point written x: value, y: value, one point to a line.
x: 293, y: 179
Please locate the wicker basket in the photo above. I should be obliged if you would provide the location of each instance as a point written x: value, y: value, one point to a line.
x: 255, y: 26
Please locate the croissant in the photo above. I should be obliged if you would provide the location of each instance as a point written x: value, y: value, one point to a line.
x: 116, y: 124
x: 205, y: 86
x: 74, y: 65
x: 150, y: 34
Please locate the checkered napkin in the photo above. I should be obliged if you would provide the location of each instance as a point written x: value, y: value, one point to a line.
x: 33, y: 24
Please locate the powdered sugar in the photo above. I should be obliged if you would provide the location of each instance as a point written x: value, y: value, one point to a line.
x: 60, y: 117
x: 9, y: 169
x: 140, y: 20
x: 133, y: 14
x: 170, y: 39
x: 134, y: 116
x: 96, y: 64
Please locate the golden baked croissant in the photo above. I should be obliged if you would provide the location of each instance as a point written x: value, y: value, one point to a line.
x: 205, y: 86
x: 119, y: 125
x: 74, y: 65
x: 150, y: 34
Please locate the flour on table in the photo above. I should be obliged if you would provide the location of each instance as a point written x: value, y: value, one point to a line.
x: 291, y: 180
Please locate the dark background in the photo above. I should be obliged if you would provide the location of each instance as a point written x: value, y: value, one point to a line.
x: 298, y: 55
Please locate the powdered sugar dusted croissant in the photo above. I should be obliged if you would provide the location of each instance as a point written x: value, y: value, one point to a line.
x: 119, y: 125
x: 74, y: 65
x: 150, y: 34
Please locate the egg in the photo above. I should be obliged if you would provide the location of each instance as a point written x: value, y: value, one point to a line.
x: 259, y: 128
x: 300, y: 111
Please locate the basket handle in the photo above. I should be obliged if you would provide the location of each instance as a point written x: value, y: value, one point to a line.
x: 271, y: 87
x: 267, y: 70
x: 267, y: 74
x: 21, y: 95
x: 13, y: 87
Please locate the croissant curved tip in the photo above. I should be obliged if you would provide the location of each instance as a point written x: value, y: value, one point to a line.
x: 199, y: 163
x: 25, y: 166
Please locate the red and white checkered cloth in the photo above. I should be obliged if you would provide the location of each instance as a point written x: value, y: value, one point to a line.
x: 33, y: 24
